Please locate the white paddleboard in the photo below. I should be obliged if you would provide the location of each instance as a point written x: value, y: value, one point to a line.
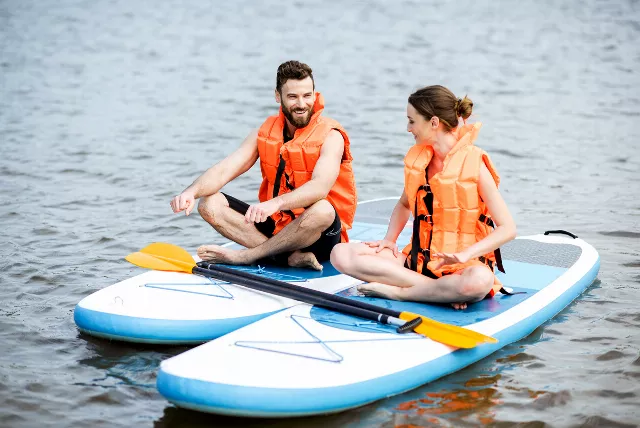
x: 306, y: 360
x: 178, y: 308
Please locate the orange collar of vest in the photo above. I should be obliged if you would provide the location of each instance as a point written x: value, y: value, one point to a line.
x: 466, y: 135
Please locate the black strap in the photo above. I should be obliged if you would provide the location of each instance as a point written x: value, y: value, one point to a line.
x: 425, y: 269
x: 415, y: 240
x: 489, y: 222
x: 498, y: 256
x: 415, y: 237
x: 486, y: 220
x: 503, y: 291
x: 428, y: 202
x: 276, y: 184
x: 563, y: 232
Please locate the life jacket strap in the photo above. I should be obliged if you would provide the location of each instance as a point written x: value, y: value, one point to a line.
x: 276, y: 184
x: 415, y: 240
x: 489, y: 222
x: 486, y: 220
x: 279, y: 172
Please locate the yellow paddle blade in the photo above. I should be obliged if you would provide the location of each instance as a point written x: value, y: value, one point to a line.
x: 168, y: 250
x: 448, y: 334
x: 161, y: 256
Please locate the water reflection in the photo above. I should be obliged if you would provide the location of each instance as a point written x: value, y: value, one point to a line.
x: 123, y: 363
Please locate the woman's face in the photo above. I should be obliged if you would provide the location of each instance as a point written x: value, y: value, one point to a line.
x: 421, y: 128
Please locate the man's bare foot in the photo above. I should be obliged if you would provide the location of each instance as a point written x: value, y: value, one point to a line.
x: 218, y: 254
x: 459, y: 306
x: 304, y: 260
x: 377, y: 289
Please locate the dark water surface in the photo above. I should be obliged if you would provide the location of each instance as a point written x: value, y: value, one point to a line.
x: 109, y: 108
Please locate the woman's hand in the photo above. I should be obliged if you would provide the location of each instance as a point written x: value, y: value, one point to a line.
x: 447, y: 259
x: 382, y: 244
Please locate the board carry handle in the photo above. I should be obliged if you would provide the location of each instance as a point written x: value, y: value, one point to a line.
x: 561, y: 232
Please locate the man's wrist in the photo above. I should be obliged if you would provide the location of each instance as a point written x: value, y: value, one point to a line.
x: 279, y: 203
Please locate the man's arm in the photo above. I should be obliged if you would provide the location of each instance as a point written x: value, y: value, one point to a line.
x: 324, y: 176
x: 213, y: 179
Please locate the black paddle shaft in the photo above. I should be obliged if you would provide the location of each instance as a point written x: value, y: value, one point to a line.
x: 307, y: 291
x: 303, y: 296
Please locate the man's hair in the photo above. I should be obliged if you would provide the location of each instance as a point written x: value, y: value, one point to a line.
x: 292, y: 70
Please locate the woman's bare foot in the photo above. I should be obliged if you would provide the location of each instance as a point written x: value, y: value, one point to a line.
x: 377, y: 289
x: 218, y: 254
x: 304, y: 260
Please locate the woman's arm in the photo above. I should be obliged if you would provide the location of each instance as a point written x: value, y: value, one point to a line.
x: 399, y: 218
x: 505, y: 227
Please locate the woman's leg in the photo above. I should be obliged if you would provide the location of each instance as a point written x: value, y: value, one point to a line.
x: 389, y: 278
x: 362, y: 262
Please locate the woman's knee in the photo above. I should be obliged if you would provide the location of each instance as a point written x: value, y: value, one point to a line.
x: 476, y: 283
x: 341, y: 257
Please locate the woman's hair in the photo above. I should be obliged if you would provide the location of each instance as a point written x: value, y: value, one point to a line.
x: 438, y: 101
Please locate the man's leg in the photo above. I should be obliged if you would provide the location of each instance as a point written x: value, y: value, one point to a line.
x: 229, y: 221
x: 320, y: 250
x: 300, y: 233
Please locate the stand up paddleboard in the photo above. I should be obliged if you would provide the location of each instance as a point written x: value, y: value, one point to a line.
x: 306, y: 360
x: 177, y: 308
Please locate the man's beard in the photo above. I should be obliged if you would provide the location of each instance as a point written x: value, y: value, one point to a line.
x: 298, y: 122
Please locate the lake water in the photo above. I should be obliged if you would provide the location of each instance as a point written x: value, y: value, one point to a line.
x: 109, y: 108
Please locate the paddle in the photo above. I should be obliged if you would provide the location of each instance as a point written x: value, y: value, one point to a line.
x: 167, y: 257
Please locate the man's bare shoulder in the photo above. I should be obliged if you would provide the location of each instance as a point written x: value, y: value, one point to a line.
x: 334, y: 137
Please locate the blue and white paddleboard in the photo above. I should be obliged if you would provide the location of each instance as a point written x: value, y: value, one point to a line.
x: 178, y: 308
x: 306, y: 360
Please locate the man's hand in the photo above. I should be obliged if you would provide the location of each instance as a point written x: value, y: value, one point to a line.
x: 260, y: 212
x: 185, y: 201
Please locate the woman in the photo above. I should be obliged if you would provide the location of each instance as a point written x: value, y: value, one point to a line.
x: 460, y: 218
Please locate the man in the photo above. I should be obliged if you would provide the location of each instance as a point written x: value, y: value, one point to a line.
x: 308, y: 193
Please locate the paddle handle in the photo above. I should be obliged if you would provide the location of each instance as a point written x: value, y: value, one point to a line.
x: 302, y: 296
x: 297, y: 288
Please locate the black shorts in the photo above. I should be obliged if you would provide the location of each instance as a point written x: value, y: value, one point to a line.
x: 321, y: 248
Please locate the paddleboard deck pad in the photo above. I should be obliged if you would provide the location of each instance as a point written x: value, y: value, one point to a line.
x: 306, y: 360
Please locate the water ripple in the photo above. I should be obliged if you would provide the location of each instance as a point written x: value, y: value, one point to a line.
x: 109, y: 109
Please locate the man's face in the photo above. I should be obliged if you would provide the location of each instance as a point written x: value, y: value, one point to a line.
x: 297, y: 98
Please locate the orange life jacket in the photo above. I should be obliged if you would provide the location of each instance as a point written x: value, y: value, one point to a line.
x: 451, y: 216
x: 288, y: 166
